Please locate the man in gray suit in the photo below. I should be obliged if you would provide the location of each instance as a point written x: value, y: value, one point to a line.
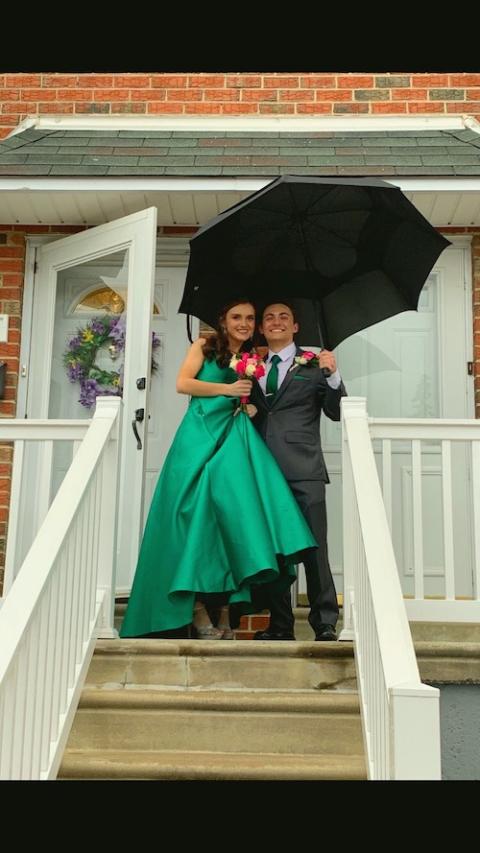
x: 290, y: 399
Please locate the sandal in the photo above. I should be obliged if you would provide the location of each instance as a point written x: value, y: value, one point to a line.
x: 206, y: 631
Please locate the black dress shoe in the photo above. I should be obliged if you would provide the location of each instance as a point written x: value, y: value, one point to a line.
x: 326, y: 632
x: 273, y: 635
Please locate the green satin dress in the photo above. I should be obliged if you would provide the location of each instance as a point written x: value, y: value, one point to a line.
x: 221, y: 514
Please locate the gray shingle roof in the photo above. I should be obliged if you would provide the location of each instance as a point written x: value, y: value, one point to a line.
x: 84, y: 153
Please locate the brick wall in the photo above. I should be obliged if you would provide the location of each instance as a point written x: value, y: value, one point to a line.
x: 264, y: 94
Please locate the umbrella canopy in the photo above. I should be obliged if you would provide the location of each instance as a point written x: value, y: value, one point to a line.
x: 349, y: 253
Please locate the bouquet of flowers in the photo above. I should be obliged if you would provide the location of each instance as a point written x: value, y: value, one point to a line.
x: 248, y: 365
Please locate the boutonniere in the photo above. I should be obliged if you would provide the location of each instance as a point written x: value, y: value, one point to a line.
x: 306, y: 359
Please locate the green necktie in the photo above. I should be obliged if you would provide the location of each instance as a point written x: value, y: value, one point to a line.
x: 272, y: 378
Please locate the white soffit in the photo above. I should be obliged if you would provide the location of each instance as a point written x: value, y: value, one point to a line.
x: 443, y: 203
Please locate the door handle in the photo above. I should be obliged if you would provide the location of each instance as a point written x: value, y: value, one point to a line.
x: 139, y: 417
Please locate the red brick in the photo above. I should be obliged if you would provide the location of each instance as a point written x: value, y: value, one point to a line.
x: 409, y: 94
x: 472, y: 94
x: 5, y: 469
x: 161, y: 107
x: 74, y: 95
x: 56, y: 108
x: 314, y: 109
x: 354, y: 107
x: 128, y: 107
x: 238, y: 109
x: 354, y: 81
x: 432, y: 81
x: 11, y: 252
x: 256, y: 95
x: 203, y: 81
x: 384, y: 107
x: 109, y: 95
x: 259, y: 623
x: 9, y: 95
x: 222, y: 94
x: 276, y: 109
x: 205, y: 108
x: 333, y: 95
x: 11, y: 265
x: 244, y: 81
x: 460, y: 107
x: 147, y: 95
x: 464, y: 80
x: 318, y: 82
x: 184, y: 95
x: 170, y: 81
x: 430, y: 107
x: 22, y: 80
x: 131, y: 81
x: 38, y: 94
x: 281, y: 82
x: 298, y: 95
x: 57, y: 81
x: 21, y: 109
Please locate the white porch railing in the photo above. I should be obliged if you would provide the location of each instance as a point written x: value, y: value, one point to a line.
x: 60, y: 602
x: 400, y: 715
x: 445, y: 436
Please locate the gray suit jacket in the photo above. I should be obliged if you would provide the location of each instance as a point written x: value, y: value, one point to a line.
x: 290, y: 425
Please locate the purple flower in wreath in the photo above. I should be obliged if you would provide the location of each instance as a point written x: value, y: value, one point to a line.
x: 117, y: 332
x: 74, y: 343
x: 75, y: 371
x: 89, y: 388
x: 98, y: 327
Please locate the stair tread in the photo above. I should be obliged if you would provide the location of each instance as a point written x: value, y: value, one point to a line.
x: 305, y: 701
x: 209, y: 765
x: 225, y: 648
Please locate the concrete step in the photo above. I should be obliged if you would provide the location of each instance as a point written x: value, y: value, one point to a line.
x: 219, y: 664
x: 210, y: 766
x: 218, y: 721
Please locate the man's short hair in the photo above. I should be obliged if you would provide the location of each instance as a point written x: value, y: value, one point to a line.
x: 280, y: 302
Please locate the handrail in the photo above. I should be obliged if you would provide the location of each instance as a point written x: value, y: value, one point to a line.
x: 60, y: 602
x: 400, y: 715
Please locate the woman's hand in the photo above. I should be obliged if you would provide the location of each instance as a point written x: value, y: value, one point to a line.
x: 251, y: 410
x: 240, y: 388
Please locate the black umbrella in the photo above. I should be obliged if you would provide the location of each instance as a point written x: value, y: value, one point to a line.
x: 348, y: 253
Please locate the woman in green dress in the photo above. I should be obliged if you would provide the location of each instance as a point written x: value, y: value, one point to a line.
x: 223, y: 518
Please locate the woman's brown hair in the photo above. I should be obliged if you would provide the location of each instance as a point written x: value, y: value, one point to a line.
x: 216, y: 344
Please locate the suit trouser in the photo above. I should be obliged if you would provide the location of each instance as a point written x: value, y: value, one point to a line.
x: 321, y: 593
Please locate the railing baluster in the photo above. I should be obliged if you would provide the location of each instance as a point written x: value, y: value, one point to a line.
x: 387, y: 478
x: 476, y: 514
x: 14, y: 518
x: 447, y: 501
x: 49, y: 678
x: 417, y: 518
x: 41, y: 638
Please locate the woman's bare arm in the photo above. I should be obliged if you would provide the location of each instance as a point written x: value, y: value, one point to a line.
x: 187, y: 384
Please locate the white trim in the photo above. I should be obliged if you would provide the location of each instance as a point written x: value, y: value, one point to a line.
x: 248, y: 123
x: 225, y: 184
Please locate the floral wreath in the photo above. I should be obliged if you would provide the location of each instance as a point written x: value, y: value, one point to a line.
x: 79, y: 358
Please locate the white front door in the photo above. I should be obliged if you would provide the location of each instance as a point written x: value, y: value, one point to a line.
x: 103, y: 275
x: 413, y: 365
